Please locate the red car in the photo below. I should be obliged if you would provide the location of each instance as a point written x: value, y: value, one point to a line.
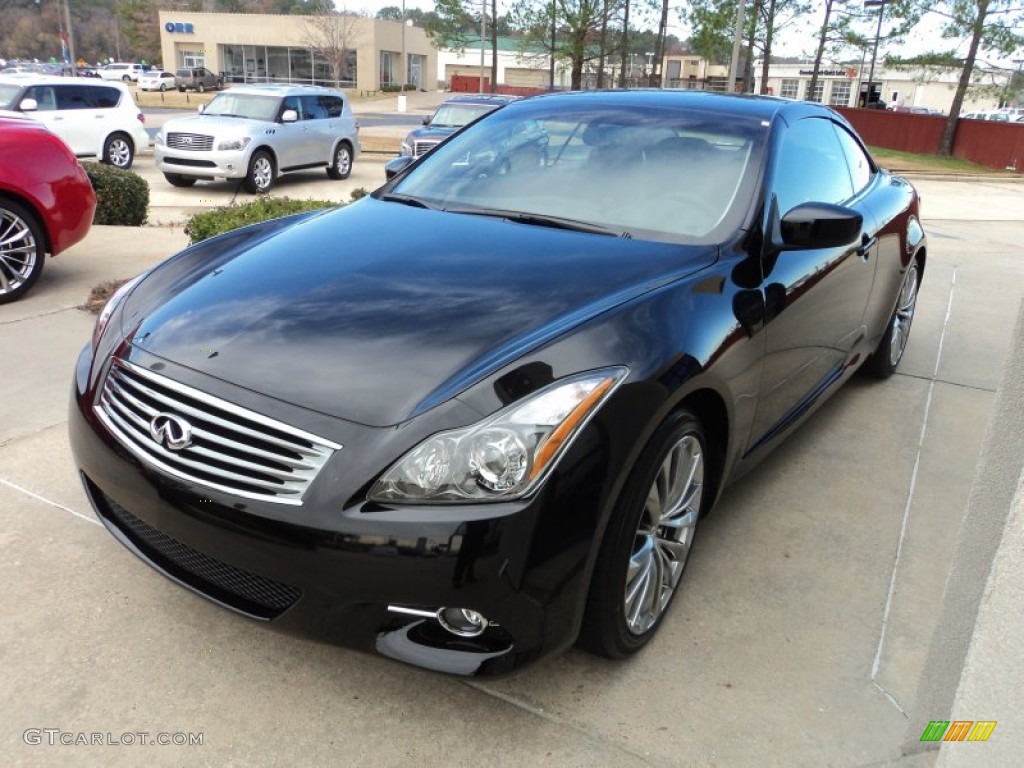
x: 46, y: 202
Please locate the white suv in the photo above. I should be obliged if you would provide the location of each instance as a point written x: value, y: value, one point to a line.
x: 124, y: 71
x: 94, y: 118
x: 257, y: 132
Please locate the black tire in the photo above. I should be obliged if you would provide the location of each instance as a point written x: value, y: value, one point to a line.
x: 163, y: 87
x: 125, y: 79
x: 201, y: 88
x: 181, y: 89
x: 887, y: 356
x: 177, y: 180
x: 260, y: 177
x: 341, y: 165
x: 119, y: 151
x: 22, y: 250
x: 606, y: 629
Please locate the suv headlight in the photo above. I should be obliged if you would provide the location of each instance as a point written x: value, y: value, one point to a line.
x: 505, y: 456
x: 241, y: 143
x: 160, y: 138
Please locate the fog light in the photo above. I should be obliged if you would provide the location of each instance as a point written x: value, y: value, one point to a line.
x: 462, y: 621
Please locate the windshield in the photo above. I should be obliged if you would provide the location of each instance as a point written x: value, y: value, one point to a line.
x: 648, y: 172
x: 8, y: 95
x: 243, y: 105
x: 458, y: 115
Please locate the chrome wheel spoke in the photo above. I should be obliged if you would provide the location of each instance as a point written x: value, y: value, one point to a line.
x: 664, y: 534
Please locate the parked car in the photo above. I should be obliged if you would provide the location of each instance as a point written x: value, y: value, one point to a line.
x: 46, y: 205
x: 453, y: 113
x: 156, y: 80
x: 124, y: 71
x: 999, y: 117
x: 477, y: 416
x: 255, y: 133
x: 197, y: 79
x: 94, y: 118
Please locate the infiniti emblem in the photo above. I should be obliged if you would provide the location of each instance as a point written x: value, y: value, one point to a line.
x: 171, y: 431
x: 187, y: 139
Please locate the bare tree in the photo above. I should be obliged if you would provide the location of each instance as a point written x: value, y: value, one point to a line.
x: 329, y: 34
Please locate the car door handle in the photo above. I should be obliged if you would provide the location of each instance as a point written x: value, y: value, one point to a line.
x: 867, y: 242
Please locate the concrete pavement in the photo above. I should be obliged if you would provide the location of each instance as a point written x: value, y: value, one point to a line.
x: 810, y: 631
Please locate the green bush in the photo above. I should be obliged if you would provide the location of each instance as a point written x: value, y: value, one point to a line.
x: 358, y: 193
x: 228, y: 217
x: 122, y: 197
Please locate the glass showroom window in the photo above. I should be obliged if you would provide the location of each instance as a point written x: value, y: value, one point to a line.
x: 389, y: 67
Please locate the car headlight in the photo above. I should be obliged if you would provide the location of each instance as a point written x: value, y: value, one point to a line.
x: 109, y: 308
x: 241, y: 143
x: 160, y: 139
x: 405, y: 150
x: 506, y: 455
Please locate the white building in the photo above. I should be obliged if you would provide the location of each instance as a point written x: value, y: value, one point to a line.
x: 515, y: 67
x: 845, y: 85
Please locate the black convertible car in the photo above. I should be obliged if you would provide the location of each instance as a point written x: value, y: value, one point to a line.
x: 476, y: 417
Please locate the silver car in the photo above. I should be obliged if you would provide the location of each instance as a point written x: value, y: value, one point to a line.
x: 257, y: 132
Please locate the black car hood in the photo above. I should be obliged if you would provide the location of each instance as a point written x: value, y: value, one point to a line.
x: 378, y: 311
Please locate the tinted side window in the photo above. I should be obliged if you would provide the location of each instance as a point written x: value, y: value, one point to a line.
x: 811, y: 166
x: 334, y: 105
x: 312, y: 109
x: 105, y: 97
x: 860, y: 164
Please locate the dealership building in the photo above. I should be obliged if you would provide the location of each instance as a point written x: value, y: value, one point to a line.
x: 847, y: 85
x: 263, y: 48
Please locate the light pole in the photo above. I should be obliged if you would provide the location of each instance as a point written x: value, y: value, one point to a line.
x: 880, y: 5
x: 483, y: 36
x: 402, y: 74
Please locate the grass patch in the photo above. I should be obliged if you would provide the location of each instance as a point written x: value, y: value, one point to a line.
x: 910, y: 161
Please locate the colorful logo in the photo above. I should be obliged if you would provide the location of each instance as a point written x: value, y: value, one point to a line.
x: 958, y: 730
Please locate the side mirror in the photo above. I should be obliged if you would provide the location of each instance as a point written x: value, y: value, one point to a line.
x: 396, y: 166
x: 28, y: 105
x: 289, y: 116
x: 819, y: 225
x: 201, y: 108
x: 426, y: 119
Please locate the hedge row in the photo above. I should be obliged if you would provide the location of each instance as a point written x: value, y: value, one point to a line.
x: 122, y: 197
x: 209, y: 223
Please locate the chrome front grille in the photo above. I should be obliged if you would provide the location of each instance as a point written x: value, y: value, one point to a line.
x: 227, y: 447
x: 196, y: 142
x: 422, y: 147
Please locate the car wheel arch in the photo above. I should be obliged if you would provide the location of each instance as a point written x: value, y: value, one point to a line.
x: 709, y: 405
x: 33, y: 208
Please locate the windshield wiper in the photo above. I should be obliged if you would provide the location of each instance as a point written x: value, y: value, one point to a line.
x: 543, y: 220
x: 415, y: 202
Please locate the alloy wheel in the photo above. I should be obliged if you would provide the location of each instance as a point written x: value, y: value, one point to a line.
x: 904, y: 315
x: 664, y: 534
x: 261, y: 173
x: 18, y: 251
x: 119, y: 153
x: 343, y: 161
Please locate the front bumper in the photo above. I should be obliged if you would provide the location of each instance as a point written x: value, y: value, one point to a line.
x: 215, y: 164
x: 339, y: 575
